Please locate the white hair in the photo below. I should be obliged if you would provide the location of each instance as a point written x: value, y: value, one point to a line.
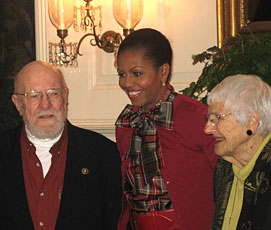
x: 243, y: 95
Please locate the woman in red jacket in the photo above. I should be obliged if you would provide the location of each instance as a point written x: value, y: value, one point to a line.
x: 167, y: 160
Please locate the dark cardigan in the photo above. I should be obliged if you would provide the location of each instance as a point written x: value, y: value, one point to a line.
x: 91, y: 201
x: 256, y: 209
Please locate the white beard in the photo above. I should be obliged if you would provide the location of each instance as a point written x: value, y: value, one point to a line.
x: 49, y: 131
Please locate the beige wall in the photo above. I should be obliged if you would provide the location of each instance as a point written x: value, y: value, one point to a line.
x: 95, y: 98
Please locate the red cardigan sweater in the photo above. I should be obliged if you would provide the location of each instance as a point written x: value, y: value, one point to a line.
x: 189, y: 164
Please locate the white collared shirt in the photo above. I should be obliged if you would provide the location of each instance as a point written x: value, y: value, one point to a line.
x: 43, y: 147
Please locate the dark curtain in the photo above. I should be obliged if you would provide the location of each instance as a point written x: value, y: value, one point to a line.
x: 17, y: 47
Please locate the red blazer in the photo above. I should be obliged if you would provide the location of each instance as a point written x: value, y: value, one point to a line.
x: 189, y: 165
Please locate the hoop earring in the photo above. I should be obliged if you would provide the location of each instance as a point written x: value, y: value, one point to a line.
x: 249, y: 132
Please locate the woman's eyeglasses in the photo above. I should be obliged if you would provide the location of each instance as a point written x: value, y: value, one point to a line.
x: 213, y: 118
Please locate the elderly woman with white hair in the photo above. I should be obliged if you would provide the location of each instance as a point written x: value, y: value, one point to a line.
x: 239, y: 119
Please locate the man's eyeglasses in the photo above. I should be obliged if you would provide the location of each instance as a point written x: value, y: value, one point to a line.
x: 213, y: 118
x: 34, y: 97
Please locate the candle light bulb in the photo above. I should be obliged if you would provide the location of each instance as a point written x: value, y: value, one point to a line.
x: 61, y: 13
x: 128, y: 13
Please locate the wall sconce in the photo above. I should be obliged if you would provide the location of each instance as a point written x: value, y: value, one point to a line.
x: 64, y: 13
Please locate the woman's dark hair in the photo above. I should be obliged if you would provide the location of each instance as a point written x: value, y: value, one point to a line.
x: 156, y: 46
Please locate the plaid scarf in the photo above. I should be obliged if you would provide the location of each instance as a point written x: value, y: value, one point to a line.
x: 144, y: 141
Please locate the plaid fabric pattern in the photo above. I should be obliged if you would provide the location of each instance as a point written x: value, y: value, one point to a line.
x: 143, y: 178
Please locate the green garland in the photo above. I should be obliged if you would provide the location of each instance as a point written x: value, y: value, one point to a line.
x: 244, y: 54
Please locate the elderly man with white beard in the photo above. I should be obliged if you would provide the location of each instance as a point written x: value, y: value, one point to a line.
x: 55, y: 175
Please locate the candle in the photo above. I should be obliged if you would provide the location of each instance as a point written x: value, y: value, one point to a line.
x: 129, y: 15
x: 61, y: 14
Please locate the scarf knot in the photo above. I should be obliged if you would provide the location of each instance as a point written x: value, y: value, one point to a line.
x: 144, y: 141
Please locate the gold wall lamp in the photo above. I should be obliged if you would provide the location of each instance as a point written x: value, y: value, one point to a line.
x: 64, y: 13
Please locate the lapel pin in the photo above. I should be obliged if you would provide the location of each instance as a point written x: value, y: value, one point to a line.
x: 85, y: 171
